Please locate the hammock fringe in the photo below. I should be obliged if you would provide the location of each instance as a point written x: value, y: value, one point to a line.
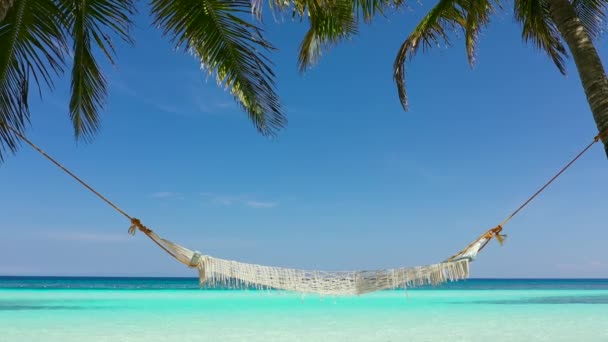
x: 216, y: 272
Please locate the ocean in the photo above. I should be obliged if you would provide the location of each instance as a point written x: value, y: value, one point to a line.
x: 174, y: 309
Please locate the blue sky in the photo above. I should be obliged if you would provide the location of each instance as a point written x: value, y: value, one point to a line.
x: 353, y: 182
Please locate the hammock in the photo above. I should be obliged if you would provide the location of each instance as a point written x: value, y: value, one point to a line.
x: 229, y: 273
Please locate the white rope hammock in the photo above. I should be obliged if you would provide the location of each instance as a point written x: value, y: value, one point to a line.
x: 217, y: 272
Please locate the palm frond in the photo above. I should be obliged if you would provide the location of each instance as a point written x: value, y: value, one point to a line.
x: 330, y: 22
x: 228, y: 46
x: 368, y: 9
x: 538, y: 28
x: 33, y: 45
x: 446, y: 15
x: 93, y: 23
x: 477, y: 16
x: 593, y: 15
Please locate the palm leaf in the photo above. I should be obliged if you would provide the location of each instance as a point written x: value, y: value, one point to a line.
x: 369, y: 8
x: 330, y: 22
x: 31, y: 44
x: 228, y: 46
x: 477, y: 16
x: 432, y: 30
x: 93, y: 23
x: 538, y: 28
x: 592, y: 14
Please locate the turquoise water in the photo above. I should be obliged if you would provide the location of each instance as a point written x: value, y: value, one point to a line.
x: 170, y: 309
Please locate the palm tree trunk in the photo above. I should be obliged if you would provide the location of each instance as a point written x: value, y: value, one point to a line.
x: 588, y: 63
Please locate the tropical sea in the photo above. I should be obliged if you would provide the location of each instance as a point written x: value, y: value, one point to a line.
x: 176, y: 309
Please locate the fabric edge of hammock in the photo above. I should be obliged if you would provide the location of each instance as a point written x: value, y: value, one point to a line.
x: 221, y: 273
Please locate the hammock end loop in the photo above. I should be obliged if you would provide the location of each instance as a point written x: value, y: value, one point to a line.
x: 195, y: 260
x: 495, y: 233
x: 601, y: 135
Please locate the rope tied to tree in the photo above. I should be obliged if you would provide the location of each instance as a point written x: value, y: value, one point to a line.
x: 596, y: 139
x: 601, y: 135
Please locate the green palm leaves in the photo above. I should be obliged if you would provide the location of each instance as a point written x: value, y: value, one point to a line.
x: 592, y: 14
x: 227, y: 45
x: 32, y: 47
x: 448, y: 15
x: 538, y: 28
x: 330, y: 22
x: 35, y: 39
x: 40, y: 38
x: 92, y: 24
x: 434, y: 27
x: 470, y: 16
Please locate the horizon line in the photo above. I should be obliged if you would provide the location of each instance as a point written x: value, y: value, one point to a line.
x: 194, y: 277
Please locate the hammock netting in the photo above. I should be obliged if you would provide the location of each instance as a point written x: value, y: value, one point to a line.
x: 215, y: 272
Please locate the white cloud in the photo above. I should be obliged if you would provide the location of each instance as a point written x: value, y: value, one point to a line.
x: 260, y: 204
x: 225, y: 105
x: 190, y: 105
x: 582, y: 267
x: 87, y: 237
x: 211, y: 106
x: 150, y: 100
x: 167, y: 195
x: 224, y: 199
x: 244, y: 200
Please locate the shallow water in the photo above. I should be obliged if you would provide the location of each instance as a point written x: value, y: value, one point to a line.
x: 106, y: 309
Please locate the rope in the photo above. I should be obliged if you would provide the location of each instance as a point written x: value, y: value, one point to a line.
x: 538, y: 192
x: 488, y: 235
x: 496, y: 231
x: 68, y: 171
x: 135, y: 223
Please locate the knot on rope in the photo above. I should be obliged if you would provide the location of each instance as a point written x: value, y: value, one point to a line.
x: 195, y: 260
x: 495, y: 233
x: 601, y: 135
x: 135, y: 225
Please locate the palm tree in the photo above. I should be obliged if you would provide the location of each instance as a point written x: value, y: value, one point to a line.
x: 545, y: 23
x: 39, y: 37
